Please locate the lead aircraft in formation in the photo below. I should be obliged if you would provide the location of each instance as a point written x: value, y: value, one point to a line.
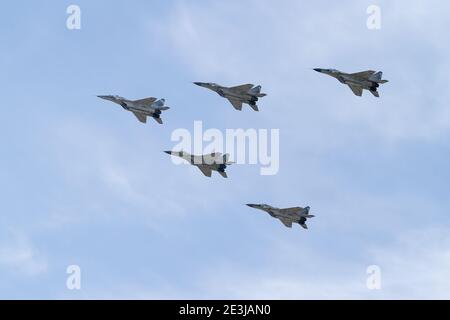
x: 366, y: 80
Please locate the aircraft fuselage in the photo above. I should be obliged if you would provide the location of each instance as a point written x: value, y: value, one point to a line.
x: 349, y: 80
x: 229, y: 94
x: 133, y: 107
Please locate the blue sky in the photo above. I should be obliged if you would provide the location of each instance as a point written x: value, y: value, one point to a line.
x: 84, y: 183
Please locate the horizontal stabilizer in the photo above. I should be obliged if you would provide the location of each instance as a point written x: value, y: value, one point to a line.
x: 223, y: 174
x: 159, y: 120
x: 254, y: 107
x: 302, y: 222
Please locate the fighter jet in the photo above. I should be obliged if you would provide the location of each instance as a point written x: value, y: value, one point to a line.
x: 150, y: 107
x: 368, y: 80
x: 206, y: 163
x: 286, y: 216
x: 247, y: 93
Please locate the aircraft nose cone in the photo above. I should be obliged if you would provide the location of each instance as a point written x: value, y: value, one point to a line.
x: 109, y: 98
x: 251, y: 205
x: 318, y: 69
x: 198, y: 83
x: 168, y: 152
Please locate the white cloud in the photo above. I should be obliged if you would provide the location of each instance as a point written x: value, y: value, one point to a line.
x: 414, y: 266
x: 417, y: 265
x: 17, y: 255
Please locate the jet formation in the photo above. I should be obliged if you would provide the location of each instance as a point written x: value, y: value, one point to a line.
x: 366, y: 80
x: 206, y: 163
x: 287, y: 216
x: 149, y: 107
x: 247, y: 93
x: 238, y: 96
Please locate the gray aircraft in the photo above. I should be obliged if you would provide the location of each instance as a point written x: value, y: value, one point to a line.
x: 247, y: 93
x: 286, y: 216
x: 368, y: 80
x: 149, y: 107
x: 206, y: 163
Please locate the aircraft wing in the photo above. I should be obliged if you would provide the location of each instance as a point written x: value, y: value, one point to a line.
x: 236, y: 104
x: 212, y: 158
x: 145, y: 102
x: 141, y: 117
x: 357, y: 90
x: 286, y: 222
x: 364, y: 75
x: 291, y: 210
x: 206, y: 171
x: 375, y: 93
x: 243, y: 88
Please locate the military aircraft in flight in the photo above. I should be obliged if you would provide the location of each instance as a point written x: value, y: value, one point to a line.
x: 368, y: 80
x: 287, y: 216
x: 149, y: 107
x: 247, y: 93
x: 206, y: 163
